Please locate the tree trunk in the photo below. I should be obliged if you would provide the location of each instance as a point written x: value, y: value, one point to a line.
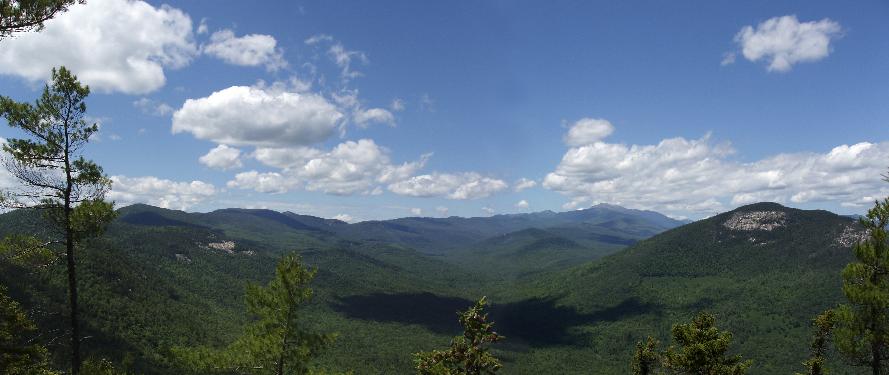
x: 72, y: 301
x: 69, y: 253
x: 875, y: 363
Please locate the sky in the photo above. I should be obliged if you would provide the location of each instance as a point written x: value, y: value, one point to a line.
x: 364, y: 110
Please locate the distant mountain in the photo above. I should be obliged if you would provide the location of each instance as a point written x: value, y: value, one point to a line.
x: 764, y: 269
x: 440, y: 235
x: 571, y: 291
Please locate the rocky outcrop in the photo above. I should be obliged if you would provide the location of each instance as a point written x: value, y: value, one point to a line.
x: 756, y: 220
x: 227, y: 246
x: 851, y: 236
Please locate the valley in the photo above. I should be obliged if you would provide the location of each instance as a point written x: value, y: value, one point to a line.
x: 571, y: 291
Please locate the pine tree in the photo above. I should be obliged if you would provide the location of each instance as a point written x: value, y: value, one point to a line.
x: 468, y: 354
x: 277, y: 342
x: 18, y: 354
x: 55, y: 178
x: 702, y: 350
x: 823, y: 324
x: 26, y: 15
x: 862, y: 329
x: 646, y: 358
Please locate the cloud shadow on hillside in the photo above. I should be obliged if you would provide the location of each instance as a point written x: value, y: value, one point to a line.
x: 537, y: 321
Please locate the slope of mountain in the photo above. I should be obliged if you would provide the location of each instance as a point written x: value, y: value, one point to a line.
x: 529, y: 252
x: 163, y: 278
x: 764, y: 269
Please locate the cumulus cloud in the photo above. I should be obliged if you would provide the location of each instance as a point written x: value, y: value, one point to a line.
x: 488, y: 210
x: 416, y: 211
x: 696, y: 177
x: 467, y: 185
x: 588, y: 130
x: 374, y: 115
x: 222, y: 157
x: 523, y: 204
x: 159, y: 192
x: 349, y: 168
x: 784, y: 41
x: 267, y: 182
x: 152, y: 107
x: 258, y: 116
x: 524, y: 184
x: 112, y: 45
x: 442, y: 210
x: 247, y: 50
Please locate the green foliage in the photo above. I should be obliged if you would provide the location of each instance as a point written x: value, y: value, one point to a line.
x: 469, y: 354
x: 823, y: 323
x: 26, y: 15
x: 18, y: 354
x: 646, y: 358
x: 276, y: 343
x: 54, y: 176
x: 703, y: 350
x: 862, y: 330
x: 99, y: 367
x: 151, y: 283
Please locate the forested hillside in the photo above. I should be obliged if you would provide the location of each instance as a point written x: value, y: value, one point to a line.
x: 160, y: 279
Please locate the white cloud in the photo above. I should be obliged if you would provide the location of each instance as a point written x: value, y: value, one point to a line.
x: 696, y: 177
x: 111, y: 45
x: 222, y: 157
x: 152, y: 107
x: 268, y: 182
x: 426, y: 103
x: 354, y: 167
x: 416, y: 211
x: 349, y: 168
x: 523, y: 204
x: 374, y: 115
x: 784, y: 41
x: 524, y: 184
x: 348, y: 101
x: 202, y: 27
x: 258, y: 116
x: 588, y: 130
x: 397, y: 105
x: 159, y: 192
x: 288, y: 157
x: 318, y: 38
x: 247, y: 50
x: 488, y: 210
x: 442, y: 210
x: 728, y: 58
x: 343, y: 58
x: 344, y: 217
x: 467, y: 185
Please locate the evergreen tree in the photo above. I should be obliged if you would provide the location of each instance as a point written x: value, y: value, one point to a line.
x: 646, y: 357
x: 823, y: 324
x: 26, y: 15
x: 18, y: 354
x: 862, y: 330
x: 702, y: 350
x: 55, y: 178
x: 277, y: 342
x: 468, y: 354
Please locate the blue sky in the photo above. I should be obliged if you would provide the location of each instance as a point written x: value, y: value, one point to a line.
x: 390, y: 109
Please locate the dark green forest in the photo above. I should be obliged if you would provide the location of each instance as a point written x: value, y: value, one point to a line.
x: 161, y: 279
